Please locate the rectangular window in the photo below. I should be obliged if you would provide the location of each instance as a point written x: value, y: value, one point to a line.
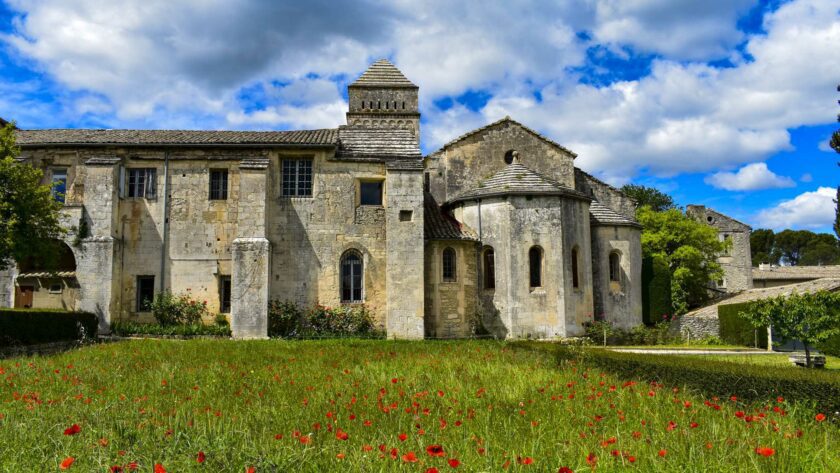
x: 218, y: 184
x: 370, y: 193
x: 224, y: 294
x: 59, y: 184
x: 575, y: 275
x: 55, y: 288
x: 297, y: 178
x: 727, y: 240
x: 145, y: 293
x: 142, y: 183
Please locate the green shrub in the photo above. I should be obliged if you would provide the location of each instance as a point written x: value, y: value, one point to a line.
x: 288, y: 320
x: 221, y: 320
x: 736, y: 330
x: 656, y: 290
x: 718, y: 378
x: 169, y: 309
x: 639, y: 335
x: 34, y: 326
x: 124, y: 328
x: 830, y: 346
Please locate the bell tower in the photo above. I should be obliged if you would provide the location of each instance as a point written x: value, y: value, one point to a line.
x: 382, y: 97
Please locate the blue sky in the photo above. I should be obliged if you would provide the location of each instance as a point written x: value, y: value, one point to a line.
x: 727, y: 103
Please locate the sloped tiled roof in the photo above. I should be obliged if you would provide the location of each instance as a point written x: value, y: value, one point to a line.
x: 440, y: 225
x: 599, y: 214
x: 87, y: 137
x: 824, y: 284
x: 382, y: 73
x: 377, y: 144
x: 512, y: 121
x: 517, y: 179
x: 797, y: 272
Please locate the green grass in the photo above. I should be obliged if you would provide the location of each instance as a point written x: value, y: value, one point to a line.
x: 832, y: 363
x: 685, y: 347
x: 486, y: 403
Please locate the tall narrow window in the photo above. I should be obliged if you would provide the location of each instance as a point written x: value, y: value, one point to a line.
x: 59, y: 182
x: 142, y: 183
x: 224, y: 294
x: 535, y: 255
x: 449, y: 265
x: 575, y: 275
x: 615, y: 267
x: 218, y: 184
x: 352, y: 277
x: 297, y: 178
x: 145, y: 293
x: 727, y: 240
x: 489, y: 269
x: 370, y: 193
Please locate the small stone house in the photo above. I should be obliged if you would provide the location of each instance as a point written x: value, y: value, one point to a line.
x: 497, y: 232
x: 736, y: 261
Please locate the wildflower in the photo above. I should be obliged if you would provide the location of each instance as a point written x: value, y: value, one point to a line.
x: 67, y: 463
x: 565, y: 469
x: 116, y: 469
x: 250, y: 469
x: 765, y: 451
x: 341, y: 435
x: 402, y: 437
x: 820, y: 417
x: 454, y: 462
x: 72, y: 430
x: 435, y: 451
x: 694, y: 425
x: 663, y: 452
x: 432, y: 470
x: 200, y: 458
x: 304, y: 439
x: 409, y: 457
x: 525, y: 461
x: 591, y: 459
x: 159, y: 468
x: 740, y: 414
x: 340, y: 456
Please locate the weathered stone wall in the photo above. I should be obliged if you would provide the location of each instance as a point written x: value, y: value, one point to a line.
x: 7, y: 286
x: 511, y: 226
x: 737, y: 262
x: 479, y: 156
x: 43, y: 298
x: 605, y: 194
x: 695, y: 327
x: 618, y: 302
x: 451, y: 305
x: 379, y: 110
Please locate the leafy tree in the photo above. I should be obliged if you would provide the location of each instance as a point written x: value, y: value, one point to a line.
x: 791, y: 243
x: 762, y: 247
x: 835, y: 143
x: 689, y: 248
x: 649, y: 196
x: 29, y: 222
x: 810, y: 317
x: 821, y: 249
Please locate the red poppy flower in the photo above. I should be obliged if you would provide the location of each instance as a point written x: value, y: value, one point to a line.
x: 200, y: 458
x: 663, y: 452
x: 526, y: 461
x: 694, y: 425
x: 340, y: 456
x: 116, y: 469
x: 278, y: 437
x: 250, y: 469
x: 72, y: 430
x: 565, y: 469
x: 591, y: 459
x: 432, y: 470
x: 765, y: 451
x: 631, y: 459
x: 394, y: 380
x: 435, y: 450
x: 159, y: 468
x: 740, y: 414
x: 66, y: 463
x: 454, y: 463
x: 402, y: 437
x: 132, y: 466
x: 820, y: 417
x: 304, y: 439
x: 409, y: 457
x: 341, y: 435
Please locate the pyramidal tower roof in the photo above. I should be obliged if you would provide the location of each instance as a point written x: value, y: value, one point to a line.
x: 382, y: 73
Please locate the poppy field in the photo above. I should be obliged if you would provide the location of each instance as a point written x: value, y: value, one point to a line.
x: 379, y: 406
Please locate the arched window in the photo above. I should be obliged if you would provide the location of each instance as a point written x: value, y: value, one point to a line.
x: 352, y: 276
x: 535, y: 256
x: 489, y: 269
x: 615, y: 267
x: 509, y: 156
x: 449, y: 265
x: 575, y: 275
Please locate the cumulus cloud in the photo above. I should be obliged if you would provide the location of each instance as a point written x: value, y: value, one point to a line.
x: 751, y: 177
x: 809, y: 210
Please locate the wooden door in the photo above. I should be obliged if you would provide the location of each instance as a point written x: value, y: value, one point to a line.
x: 23, y: 297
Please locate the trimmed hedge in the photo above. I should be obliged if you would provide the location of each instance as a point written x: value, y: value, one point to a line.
x: 656, y: 290
x: 35, y: 326
x: 830, y: 346
x: 126, y: 328
x: 718, y: 378
x: 736, y: 330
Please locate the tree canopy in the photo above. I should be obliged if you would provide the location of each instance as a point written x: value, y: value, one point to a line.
x: 29, y: 221
x: 690, y: 248
x: 650, y: 197
x: 794, y: 247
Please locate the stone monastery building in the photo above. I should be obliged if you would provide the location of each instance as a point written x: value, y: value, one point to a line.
x: 497, y: 229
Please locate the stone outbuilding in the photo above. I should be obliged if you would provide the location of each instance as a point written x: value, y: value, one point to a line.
x: 495, y: 233
x: 736, y: 261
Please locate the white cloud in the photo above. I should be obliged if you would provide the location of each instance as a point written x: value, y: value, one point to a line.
x: 825, y: 145
x: 751, y: 177
x: 809, y: 210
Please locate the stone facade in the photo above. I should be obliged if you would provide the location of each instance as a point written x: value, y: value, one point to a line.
x: 737, y: 261
x: 343, y: 216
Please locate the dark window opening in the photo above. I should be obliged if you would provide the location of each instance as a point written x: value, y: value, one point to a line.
x: 405, y: 215
x: 224, y: 294
x: 489, y: 269
x: 575, y: 275
x: 535, y: 256
x: 427, y: 184
x: 509, y: 157
x: 297, y: 178
x: 615, y: 267
x: 370, y: 193
x: 59, y: 184
x: 403, y: 105
x: 142, y: 183
x: 218, y: 184
x: 449, y: 265
x: 145, y: 293
x: 379, y: 104
x: 352, y: 279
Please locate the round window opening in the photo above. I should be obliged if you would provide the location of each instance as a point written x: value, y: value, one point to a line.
x: 510, y: 156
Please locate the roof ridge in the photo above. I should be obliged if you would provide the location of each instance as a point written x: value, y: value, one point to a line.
x: 507, y: 118
x: 382, y: 73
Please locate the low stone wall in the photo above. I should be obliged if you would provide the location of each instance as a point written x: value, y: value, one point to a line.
x: 695, y: 326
